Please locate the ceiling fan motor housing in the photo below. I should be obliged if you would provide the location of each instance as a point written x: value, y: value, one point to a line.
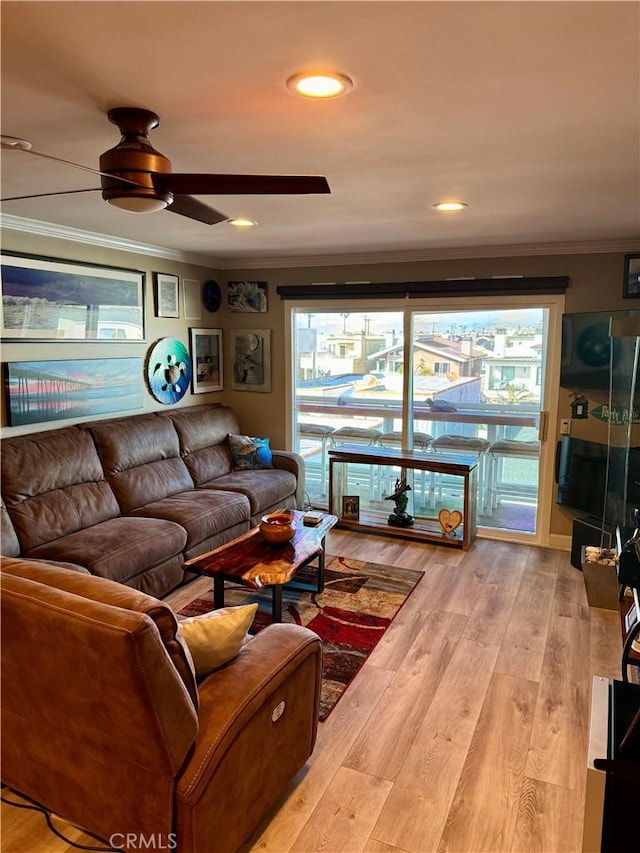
x: 134, y: 158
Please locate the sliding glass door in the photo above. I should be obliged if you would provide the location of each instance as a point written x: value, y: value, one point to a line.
x: 467, y: 383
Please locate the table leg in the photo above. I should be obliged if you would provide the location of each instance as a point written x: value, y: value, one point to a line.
x: 218, y: 592
x: 276, y: 606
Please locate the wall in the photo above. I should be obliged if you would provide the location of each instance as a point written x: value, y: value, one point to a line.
x: 595, y: 285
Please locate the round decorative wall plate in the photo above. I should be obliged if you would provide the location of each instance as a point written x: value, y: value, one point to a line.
x: 211, y: 296
x: 168, y: 370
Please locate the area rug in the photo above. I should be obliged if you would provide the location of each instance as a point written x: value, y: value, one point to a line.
x: 359, y: 602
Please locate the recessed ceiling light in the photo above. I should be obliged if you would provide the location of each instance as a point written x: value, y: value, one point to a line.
x: 450, y: 205
x: 320, y: 84
x: 241, y: 222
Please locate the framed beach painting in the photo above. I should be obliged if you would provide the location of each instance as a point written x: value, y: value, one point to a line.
x: 41, y: 391
x: 45, y: 299
x: 249, y: 297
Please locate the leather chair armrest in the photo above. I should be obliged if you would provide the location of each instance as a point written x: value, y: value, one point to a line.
x: 290, y: 461
x: 232, y: 695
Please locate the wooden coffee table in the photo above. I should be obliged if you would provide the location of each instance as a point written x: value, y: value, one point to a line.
x: 252, y: 562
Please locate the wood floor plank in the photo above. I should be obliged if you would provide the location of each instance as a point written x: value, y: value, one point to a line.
x: 571, y: 594
x: 549, y: 818
x: 416, y: 811
x: 492, y: 612
x: 482, y: 816
x: 524, y: 641
x: 374, y: 846
x: 344, y: 817
x: 380, y: 749
x: 560, y: 732
x: 335, y: 738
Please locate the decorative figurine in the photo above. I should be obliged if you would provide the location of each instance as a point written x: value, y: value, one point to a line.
x: 400, y: 517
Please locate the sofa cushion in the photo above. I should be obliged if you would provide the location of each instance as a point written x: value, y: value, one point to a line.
x: 53, y: 485
x: 216, y: 638
x: 8, y: 536
x: 202, y: 513
x: 141, y: 459
x: 249, y: 454
x: 264, y: 489
x: 202, y: 432
x: 116, y: 595
x: 120, y: 548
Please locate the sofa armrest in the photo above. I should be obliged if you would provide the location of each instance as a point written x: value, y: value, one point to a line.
x: 290, y: 461
x: 258, y: 719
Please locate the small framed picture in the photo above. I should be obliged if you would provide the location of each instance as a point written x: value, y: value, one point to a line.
x: 631, y: 282
x: 247, y: 296
x: 191, y: 290
x: 351, y: 507
x: 206, y: 360
x: 166, y: 295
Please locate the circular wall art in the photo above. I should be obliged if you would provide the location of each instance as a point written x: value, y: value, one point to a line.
x: 168, y: 370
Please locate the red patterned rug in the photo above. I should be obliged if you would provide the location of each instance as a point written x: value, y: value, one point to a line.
x: 359, y: 602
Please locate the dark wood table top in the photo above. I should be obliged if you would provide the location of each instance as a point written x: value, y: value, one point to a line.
x: 256, y: 563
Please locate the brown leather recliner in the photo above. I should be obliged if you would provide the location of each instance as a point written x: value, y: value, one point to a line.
x: 103, y: 724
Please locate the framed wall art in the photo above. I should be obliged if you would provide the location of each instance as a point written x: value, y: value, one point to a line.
x: 46, y: 299
x: 206, y: 360
x: 247, y: 296
x: 166, y: 295
x: 631, y: 281
x: 40, y: 391
x: 168, y: 370
x: 251, y: 355
x: 192, y: 299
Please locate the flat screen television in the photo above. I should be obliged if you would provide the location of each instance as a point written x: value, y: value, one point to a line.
x: 589, y: 354
x: 581, y: 475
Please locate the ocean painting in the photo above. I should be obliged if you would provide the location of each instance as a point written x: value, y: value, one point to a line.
x: 40, y: 391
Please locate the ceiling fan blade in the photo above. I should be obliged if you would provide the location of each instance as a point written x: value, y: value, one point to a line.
x: 240, y: 184
x: 44, y: 195
x: 11, y: 146
x: 185, y: 205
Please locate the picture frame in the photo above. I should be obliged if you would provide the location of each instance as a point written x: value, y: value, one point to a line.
x: 165, y: 291
x: 206, y: 360
x: 42, y: 391
x: 631, y: 281
x: 249, y: 297
x: 251, y: 359
x: 51, y: 299
x: 192, y: 299
x: 351, y: 507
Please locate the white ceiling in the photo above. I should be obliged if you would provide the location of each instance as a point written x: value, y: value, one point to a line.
x: 527, y: 111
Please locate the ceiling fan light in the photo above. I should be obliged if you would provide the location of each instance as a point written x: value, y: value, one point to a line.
x: 328, y: 84
x: 137, y: 204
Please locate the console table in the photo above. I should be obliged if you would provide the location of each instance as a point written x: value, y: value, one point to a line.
x: 384, y: 464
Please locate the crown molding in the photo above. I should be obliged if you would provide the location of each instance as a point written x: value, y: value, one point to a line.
x: 105, y: 241
x: 108, y: 241
x: 440, y: 254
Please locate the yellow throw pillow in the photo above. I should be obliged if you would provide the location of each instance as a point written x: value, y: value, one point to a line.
x: 215, y: 638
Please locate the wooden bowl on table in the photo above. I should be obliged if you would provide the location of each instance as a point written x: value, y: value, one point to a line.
x: 278, y: 528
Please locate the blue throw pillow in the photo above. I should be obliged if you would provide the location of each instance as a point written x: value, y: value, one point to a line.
x: 249, y: 454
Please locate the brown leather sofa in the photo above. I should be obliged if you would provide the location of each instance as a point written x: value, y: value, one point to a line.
x: 132, y: 498
x: 104, y: 726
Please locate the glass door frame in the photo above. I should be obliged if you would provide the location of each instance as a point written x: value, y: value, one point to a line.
x: 554, y: 305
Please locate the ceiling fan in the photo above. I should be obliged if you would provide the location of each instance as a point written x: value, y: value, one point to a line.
x: 136, y: 177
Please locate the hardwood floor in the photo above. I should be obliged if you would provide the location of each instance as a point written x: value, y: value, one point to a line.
x: 466, y: 730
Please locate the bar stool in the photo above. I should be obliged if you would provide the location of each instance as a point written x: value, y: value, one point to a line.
x: 319, y: 432
x: 469, y: 446
x: 498, y: 486
x: 358, y: 435
x: 421, y: 441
